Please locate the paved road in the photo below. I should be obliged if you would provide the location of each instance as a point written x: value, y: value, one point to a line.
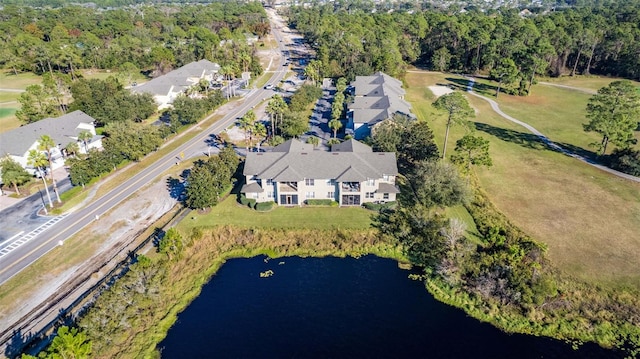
x: 23, y: 216
x: 14, y: 262
x: 553, y: 145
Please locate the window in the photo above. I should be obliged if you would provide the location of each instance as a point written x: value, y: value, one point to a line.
x: 269, y: 194
x: 370, y: 182
x: 308, y: 182
x: 385, y: 177
x: 311, y: 195
x: 385, y: 196
x: 331, y: 182
x: 331, y: 195
x: 254, y: 195
x: 269, y: 182
x: 351, y: 200
x: 369, y: 195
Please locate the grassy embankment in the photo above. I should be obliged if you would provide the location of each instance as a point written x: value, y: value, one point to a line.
x: 589, y: 219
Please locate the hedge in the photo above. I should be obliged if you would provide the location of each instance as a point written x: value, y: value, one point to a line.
x: 265, y: 206
x: 378, y: 206
x: 322, y: 202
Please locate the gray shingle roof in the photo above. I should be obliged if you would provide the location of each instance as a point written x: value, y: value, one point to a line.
x: 62, y: 130
x: 350, y: 146
x: 297, y: 164
x: 177, y: 78
x: 387, y: 188
x: 252, y: 188
x: 378, y: 98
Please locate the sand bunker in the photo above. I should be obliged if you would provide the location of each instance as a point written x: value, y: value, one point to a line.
x: 440, y: 90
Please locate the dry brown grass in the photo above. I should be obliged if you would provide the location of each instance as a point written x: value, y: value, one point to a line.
x: 589, y: 219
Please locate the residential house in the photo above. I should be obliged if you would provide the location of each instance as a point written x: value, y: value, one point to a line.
x: 64, y: 129
x: 293, y: 172
x: 376, y: 98
x: 166, y: 88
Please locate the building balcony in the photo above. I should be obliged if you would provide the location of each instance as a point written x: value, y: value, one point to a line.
x: 288, y: 187
x: 350, y: 187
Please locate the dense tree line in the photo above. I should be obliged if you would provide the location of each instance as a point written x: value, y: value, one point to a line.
x: 125, y: 141
x: 152, y: 38
x: 107, y: 101
x: 602, y: 39
x: 209, y: 179
x: 291, y: 119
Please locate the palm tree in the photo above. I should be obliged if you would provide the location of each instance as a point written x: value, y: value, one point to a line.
x: 85, y: 136
x: 276, y: 107
x: 247, y: 124
x: 335, y: 125
x: 39, y: 161
x: 260, y: 132
x: 313, y: 140
x: 72, y: 148
x: 46, y: 143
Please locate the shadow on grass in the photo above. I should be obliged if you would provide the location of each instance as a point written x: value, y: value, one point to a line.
x: 527, y: 140
x: 478, y: 87
x: 591, y: 156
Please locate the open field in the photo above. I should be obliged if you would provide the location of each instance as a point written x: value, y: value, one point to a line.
x: 590, y: 220
x: 19, y: 82
x: 586, y: 82
x: 229, y: 212
x: 557, y: 112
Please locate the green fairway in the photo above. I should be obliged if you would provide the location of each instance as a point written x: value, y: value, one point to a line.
x: 9, y: 80
x: 584, y: 82
x: 229, y: 212
x: 589, y: 219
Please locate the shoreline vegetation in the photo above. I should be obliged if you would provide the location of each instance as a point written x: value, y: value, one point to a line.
x: 157, y: 288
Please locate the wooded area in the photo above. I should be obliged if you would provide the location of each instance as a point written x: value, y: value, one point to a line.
x: 511, y: 47
x: 151, y: 39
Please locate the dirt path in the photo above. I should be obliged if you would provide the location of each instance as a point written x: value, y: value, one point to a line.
x: 553, y: 145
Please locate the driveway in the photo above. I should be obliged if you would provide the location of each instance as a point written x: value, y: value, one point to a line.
x: 319, y: 122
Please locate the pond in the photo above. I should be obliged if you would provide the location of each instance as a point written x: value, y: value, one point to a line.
x: 338, y: 308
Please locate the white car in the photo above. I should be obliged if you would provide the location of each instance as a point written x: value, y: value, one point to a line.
x: 269, y: 87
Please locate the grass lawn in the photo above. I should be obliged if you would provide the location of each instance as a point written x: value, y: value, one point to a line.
x: 229, y: 212
x: 8, y: 119
x: 103, y: 74
x: 586, y: 82
x: 21, y: 81
x: 558, y: 113
x: 589, y: 219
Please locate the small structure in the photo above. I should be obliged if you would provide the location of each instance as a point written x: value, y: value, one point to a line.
x: 376, y: 98
x: 64, y: 129
x: 293, y: 172
x: 166, y: 88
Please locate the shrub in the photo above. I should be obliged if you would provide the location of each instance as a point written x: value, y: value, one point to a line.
x: 379, y: 206
x: 265, y: 206
x: 626, y: 160
x: 243, y: 200
x: 322, y: 202
x: 251, y: 203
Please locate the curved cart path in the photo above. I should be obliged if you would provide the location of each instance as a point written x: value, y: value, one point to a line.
x: 553, y: 145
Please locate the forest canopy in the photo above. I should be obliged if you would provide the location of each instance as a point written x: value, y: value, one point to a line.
x: 150, y: 38
x: 352, y: 40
